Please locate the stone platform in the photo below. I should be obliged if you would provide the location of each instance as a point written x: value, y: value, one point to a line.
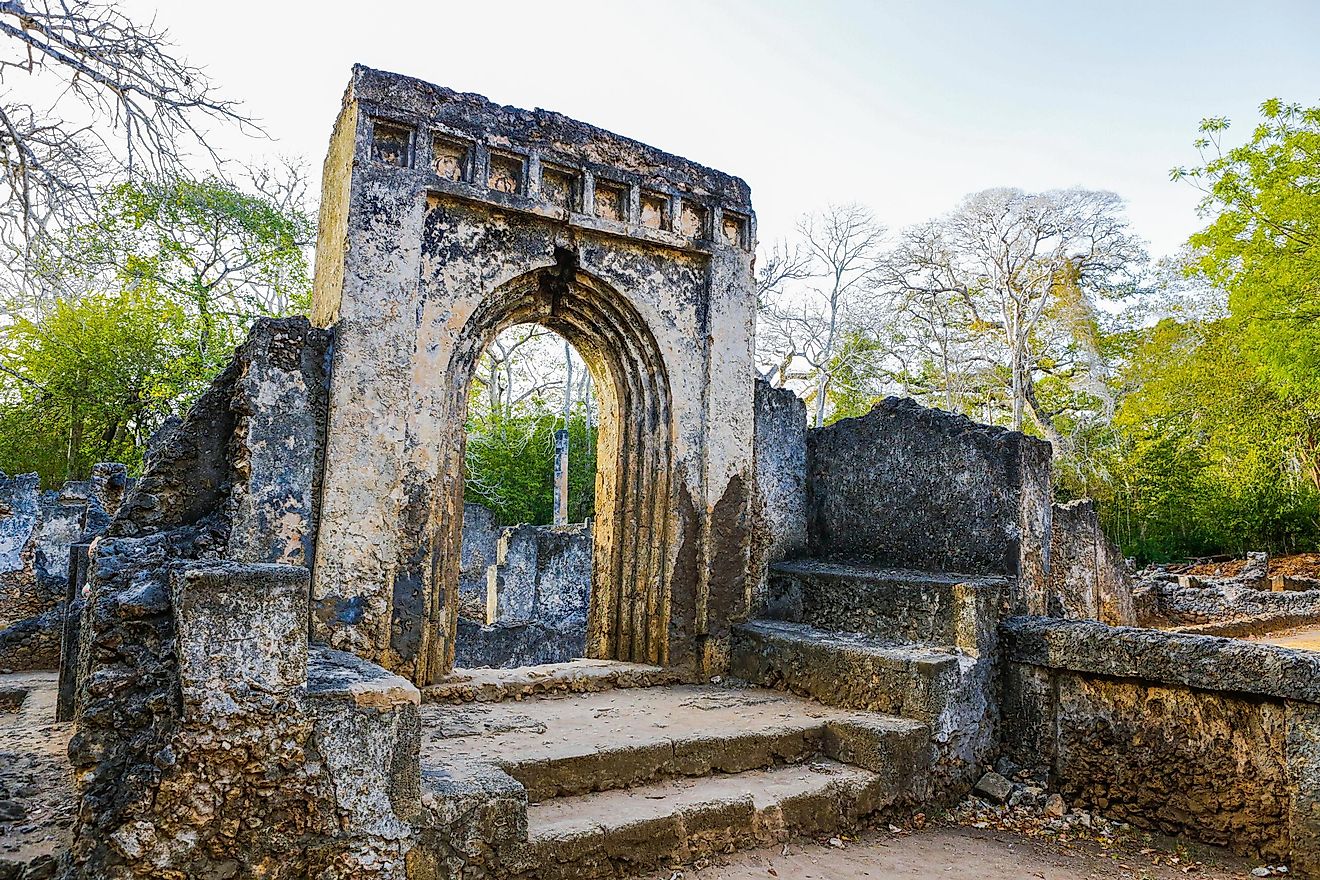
x: 611, y: 782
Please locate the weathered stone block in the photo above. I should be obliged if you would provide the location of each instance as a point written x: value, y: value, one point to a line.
x: 948, y: 610
x: 241, y: 634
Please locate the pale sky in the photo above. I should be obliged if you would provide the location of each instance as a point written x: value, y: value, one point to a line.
x: 904, y: 106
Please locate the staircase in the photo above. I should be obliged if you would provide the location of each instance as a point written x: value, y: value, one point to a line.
x: 913, y: 644
x: 624, y: 780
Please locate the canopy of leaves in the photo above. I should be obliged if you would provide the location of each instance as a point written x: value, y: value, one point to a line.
x: 159, y: 290
x: 1263, y: 242
x: 510, y: 465
x: 90, y: 382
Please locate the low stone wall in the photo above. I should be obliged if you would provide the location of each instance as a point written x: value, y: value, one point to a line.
x: 480, y: 550
x: 232, y: 485
x: 37, y: 529
x: 1201, y: 736
x: 1230, y: 607
x: 912, y: 487
x: 537, y: 597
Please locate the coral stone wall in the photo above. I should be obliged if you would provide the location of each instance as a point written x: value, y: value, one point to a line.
x: 911, y: 487
x: 781, y: 481
x: 1088, y: 576
x: 1192, y: 735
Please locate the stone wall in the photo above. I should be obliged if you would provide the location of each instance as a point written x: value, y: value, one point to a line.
x: 241, y: 465
x: 37, y: 529
x: 537, y: 598
x: 780, y: 524
x: 1089, y: 578
x: 1228, y: 608
x: 912, y: 487
x: 1193, y: 735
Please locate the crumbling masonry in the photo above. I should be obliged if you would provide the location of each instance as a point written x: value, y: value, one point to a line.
x: 259, y: 646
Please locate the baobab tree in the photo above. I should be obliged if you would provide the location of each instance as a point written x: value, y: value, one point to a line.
x: 1024, y: 271
x: 813, y: 293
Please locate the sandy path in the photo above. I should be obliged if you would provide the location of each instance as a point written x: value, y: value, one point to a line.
x: 965, y: 854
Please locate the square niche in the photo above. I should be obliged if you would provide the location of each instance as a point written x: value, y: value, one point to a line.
x: 506, y: 173
x: 391, y: 143
x: 561, y: 187
x: 692, y: 220
x: 611, y: 202
x: 451, y: 159
x: 734, y: 229
x: 655, y: 210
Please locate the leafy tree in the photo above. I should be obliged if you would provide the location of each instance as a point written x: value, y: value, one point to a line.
x: 510, y: 465
x: 1263, y: 242
x: 1203, y: 455
x: 170, y: 276
x: 91, y: 381
x: 222, y: 255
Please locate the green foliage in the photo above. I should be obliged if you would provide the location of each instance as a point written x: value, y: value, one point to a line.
x: 158, y: 291
x: 510, y: 465
x: 89, y: 382
x: 1203, y: 456
x: 856, y: 374
x: 1263, y: 242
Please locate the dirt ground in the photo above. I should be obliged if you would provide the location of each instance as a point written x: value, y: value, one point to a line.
x: 961, y: 853
x: 36, y: 790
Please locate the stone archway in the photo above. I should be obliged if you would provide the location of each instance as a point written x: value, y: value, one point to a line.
x: 444, y: 218
x: 629, y: 613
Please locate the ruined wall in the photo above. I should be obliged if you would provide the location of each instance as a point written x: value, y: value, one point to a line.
x: 780, y: 523
x: 461, y: 218
x: 1192, y: 735
x: 1229, y: 608
x: 481, y: 538
x: 227, y: 472
x: 537, y: 600
x: 37, y: 529
x: 912, y: 487
x: 1089, y: 577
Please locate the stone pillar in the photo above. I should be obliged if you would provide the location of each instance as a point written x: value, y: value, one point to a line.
x: 561, y: 477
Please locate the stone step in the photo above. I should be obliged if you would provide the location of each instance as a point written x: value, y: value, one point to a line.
x: 558, y: 747
x: 848, y: 670
x: 573, y: 677
x: 898, y: 605
x: 947, y: 689
x: 674, y: 822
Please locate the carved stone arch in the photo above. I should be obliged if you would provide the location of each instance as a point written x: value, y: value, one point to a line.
x: 629, y: 613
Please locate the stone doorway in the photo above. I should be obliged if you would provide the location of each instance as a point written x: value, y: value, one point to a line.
x: 524, y: 583
x: 448, y: 219
x: 628, y: 615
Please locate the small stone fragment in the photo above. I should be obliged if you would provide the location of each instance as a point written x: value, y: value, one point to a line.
x: 994, y: 787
